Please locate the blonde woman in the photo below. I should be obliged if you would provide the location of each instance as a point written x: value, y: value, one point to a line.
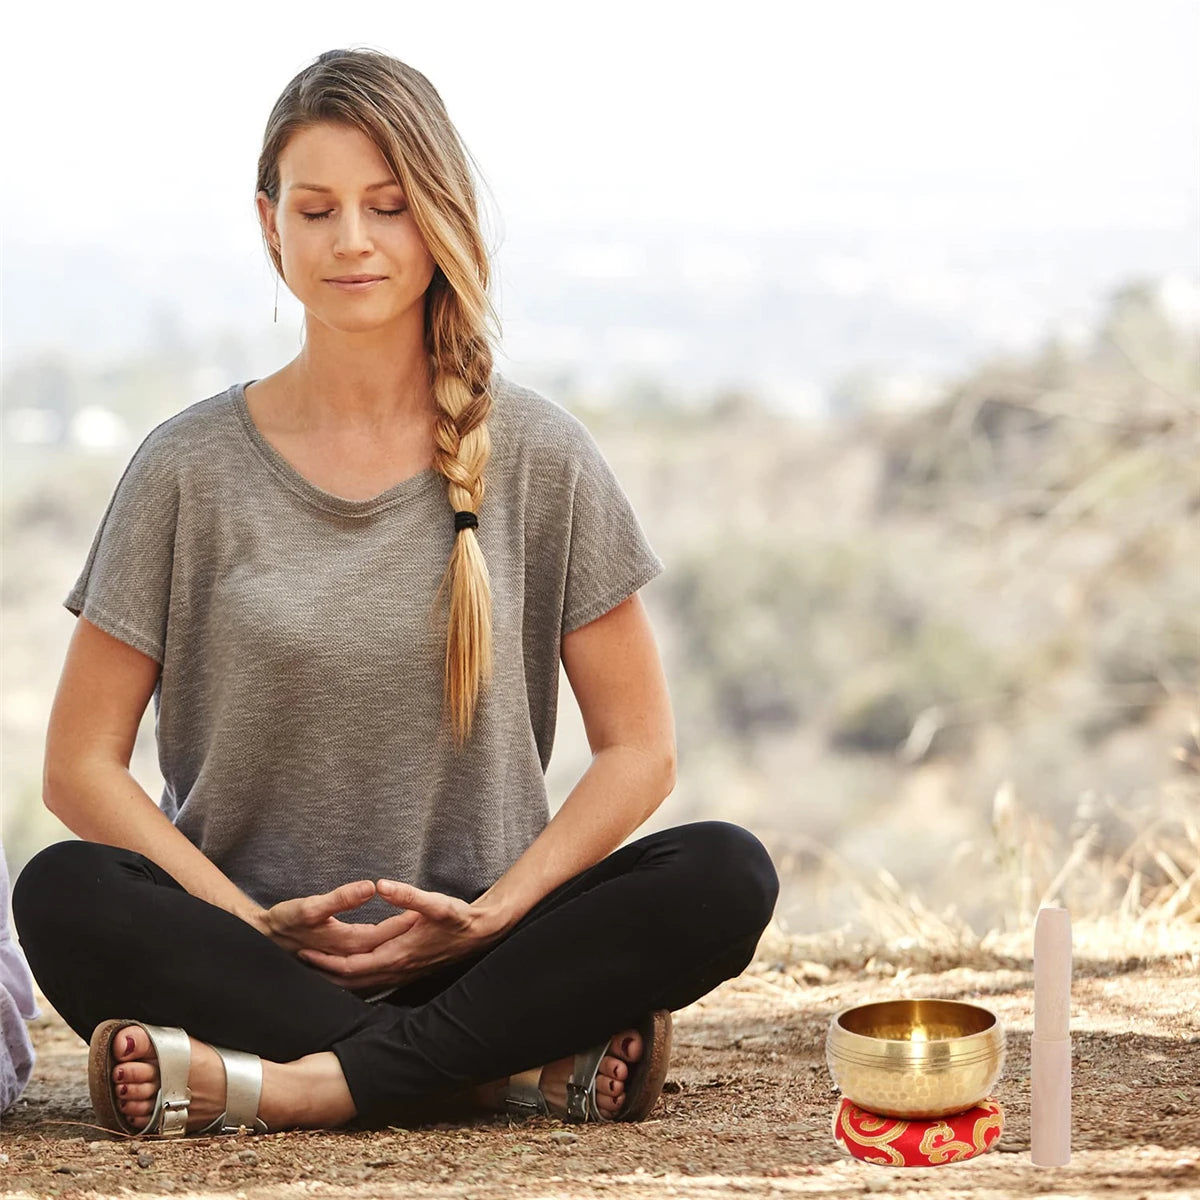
x: 348, y: 587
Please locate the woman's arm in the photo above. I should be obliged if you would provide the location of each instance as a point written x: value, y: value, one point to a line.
x: 106, y: 804
x: 105, y: 688
x: 614, y: 669
x: 102, y: 802
x: 621, y: 788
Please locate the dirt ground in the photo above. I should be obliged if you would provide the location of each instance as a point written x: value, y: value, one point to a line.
x: 746, y: 1110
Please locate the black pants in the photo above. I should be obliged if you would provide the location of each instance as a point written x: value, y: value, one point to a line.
x: 656, y: 924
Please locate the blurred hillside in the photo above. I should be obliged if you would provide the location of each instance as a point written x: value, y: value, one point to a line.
x: 959, y: 644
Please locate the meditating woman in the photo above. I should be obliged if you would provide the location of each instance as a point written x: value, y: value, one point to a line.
x: 350, y: 904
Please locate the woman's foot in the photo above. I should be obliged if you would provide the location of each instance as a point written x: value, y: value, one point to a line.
x: 309, y: 1093
x: 625, y: 1048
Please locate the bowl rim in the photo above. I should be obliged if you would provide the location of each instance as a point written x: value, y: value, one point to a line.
x: 988, y: 1031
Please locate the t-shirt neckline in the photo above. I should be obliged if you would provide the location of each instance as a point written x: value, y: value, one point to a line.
x: 291, y: 478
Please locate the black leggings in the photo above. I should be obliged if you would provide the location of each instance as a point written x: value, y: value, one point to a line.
x: 656, y: 924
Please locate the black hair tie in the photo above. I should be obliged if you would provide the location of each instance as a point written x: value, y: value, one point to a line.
x: 465, y: 520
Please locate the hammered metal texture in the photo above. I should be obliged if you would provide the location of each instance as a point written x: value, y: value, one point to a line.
x: 874, y: 1060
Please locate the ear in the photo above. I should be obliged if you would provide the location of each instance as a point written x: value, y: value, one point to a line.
x: 266, y: 217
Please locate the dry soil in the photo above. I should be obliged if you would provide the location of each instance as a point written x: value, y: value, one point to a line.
x: 746, y: 1110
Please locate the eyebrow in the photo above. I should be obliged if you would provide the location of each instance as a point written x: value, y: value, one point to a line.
x: 319, y: 187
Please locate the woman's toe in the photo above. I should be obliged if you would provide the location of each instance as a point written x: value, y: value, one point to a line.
x: 136, y: 1108
x: 135, y: 1072
x: 135, y: 1075
x: 611, y: 1075
x: 136, y: 1061
x: 628, y: 1044
x: 132, y: 1042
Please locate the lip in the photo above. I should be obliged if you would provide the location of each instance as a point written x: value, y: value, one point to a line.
x: 356, y: 283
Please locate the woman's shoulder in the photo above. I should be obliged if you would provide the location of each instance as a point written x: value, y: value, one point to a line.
x: 182, y: 440
x: 525, y: 416
x: 199, y: 422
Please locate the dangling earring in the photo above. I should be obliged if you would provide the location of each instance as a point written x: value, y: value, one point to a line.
x: 275, y: 318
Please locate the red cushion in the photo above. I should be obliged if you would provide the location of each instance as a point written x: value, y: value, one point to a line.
x: 930, y: 1142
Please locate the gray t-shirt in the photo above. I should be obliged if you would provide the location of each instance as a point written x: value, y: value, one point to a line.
x: 298, y: 708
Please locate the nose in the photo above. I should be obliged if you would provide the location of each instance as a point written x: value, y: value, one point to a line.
x: 351, y: 236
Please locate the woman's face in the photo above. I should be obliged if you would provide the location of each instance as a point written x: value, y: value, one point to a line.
x: 332, y: 221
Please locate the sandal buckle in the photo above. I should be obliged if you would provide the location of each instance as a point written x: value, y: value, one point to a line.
x: 577, y: 1101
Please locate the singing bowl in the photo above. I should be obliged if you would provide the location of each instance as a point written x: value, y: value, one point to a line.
x: 915, y: 1058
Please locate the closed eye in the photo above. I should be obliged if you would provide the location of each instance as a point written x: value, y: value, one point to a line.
x: 383, y: 212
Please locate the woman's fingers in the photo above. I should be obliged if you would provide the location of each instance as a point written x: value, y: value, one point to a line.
x: 350, y: 950
x: 403, y: 895
x: 376, y: 935
x: 344, y: 898
x: 374, y: 957
x: 312, y: 910
x: 339, y: 937
x: 436, y: 905
x: 343, y: 964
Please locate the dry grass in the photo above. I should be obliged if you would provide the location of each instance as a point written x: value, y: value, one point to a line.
x: 1139, y: 901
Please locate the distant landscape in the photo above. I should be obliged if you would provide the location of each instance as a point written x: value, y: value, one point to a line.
x: 948, y: 653
x: 810, y: 321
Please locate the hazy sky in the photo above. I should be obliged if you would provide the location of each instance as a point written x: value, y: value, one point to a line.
x: 143, y: 122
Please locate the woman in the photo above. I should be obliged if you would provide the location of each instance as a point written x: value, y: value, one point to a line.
x: 350, y: 904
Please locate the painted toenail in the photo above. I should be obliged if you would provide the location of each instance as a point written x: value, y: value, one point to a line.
x: 128, y: 1044
x: 124, y: 1089
x: 120, y: 1072
x: 626, y: 1044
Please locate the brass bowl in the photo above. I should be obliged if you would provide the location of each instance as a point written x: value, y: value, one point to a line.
x: 915, y: 1058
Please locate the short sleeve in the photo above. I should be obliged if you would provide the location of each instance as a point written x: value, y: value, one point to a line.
x: 609, y: 556
x: 125, y: 584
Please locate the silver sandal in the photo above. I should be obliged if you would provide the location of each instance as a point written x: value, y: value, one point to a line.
x: 243, y: 1084
x: 642, y: 1088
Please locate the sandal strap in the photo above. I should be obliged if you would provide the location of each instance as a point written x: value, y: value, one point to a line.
x: 243, y: 1089
x: 581, y: 1087
x: 522, y: 1094
x: 174, y: 1051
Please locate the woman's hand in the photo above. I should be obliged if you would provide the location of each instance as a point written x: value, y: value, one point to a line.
x: 436, y: 929
x: 309, y: 922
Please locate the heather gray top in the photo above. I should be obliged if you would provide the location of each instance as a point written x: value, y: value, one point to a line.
x: 298, y: 707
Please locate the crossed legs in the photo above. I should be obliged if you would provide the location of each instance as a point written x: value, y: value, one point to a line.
x: 656, y: 924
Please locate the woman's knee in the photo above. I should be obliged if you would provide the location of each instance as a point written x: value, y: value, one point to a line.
x: 730, y: 861
x: 53, y: 885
